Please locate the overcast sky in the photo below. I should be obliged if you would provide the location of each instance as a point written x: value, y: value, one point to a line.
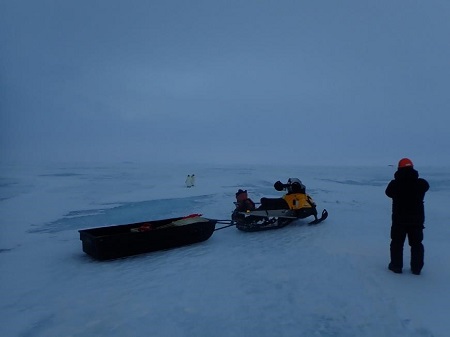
x: 302, y: 82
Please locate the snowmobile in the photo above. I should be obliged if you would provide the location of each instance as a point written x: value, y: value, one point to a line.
x: 274, y: 213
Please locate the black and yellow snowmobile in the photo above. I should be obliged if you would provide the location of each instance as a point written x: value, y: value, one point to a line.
x: 273, y: 213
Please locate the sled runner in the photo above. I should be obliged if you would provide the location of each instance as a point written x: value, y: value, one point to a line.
x: 274, y: 213
x: 104, y: 243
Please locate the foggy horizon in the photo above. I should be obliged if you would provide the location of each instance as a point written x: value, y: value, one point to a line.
x: 322, y: 83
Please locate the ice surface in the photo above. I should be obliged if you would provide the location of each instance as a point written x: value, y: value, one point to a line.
x: 325, y: 280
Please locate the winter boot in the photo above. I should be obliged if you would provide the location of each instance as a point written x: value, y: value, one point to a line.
x: 394, y: 269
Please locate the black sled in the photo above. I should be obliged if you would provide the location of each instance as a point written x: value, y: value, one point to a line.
x: 112, y: 242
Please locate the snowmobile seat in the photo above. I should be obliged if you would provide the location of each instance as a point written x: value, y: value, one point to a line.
x: 273, y: 203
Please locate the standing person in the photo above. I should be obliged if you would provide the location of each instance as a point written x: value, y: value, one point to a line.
x: 193, y: 180
x: 407, y: 191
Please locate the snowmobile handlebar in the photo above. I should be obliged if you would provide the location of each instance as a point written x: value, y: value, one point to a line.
x: 279, y: 186
x: 293, y: 187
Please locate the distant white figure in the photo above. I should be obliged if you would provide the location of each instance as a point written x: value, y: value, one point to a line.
x: 193, y: 180
x: 188, y: 181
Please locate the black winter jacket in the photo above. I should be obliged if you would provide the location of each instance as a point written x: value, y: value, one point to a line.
x: 407, y: 191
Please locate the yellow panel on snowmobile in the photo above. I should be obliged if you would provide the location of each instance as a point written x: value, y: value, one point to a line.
x: 299, y: 201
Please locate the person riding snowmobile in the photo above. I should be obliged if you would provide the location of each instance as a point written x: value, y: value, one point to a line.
x: 243, y: 202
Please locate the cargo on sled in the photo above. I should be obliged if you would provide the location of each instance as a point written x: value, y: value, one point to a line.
x: 273, y: 213
x: 104, y: 243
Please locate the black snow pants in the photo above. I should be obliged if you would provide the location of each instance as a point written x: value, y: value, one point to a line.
x: 415, y: 237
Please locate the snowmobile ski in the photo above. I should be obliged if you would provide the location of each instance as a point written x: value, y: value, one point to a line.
x: 319, y: 220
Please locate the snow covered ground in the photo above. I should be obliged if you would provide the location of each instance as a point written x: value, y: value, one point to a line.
x: 325, y: 280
